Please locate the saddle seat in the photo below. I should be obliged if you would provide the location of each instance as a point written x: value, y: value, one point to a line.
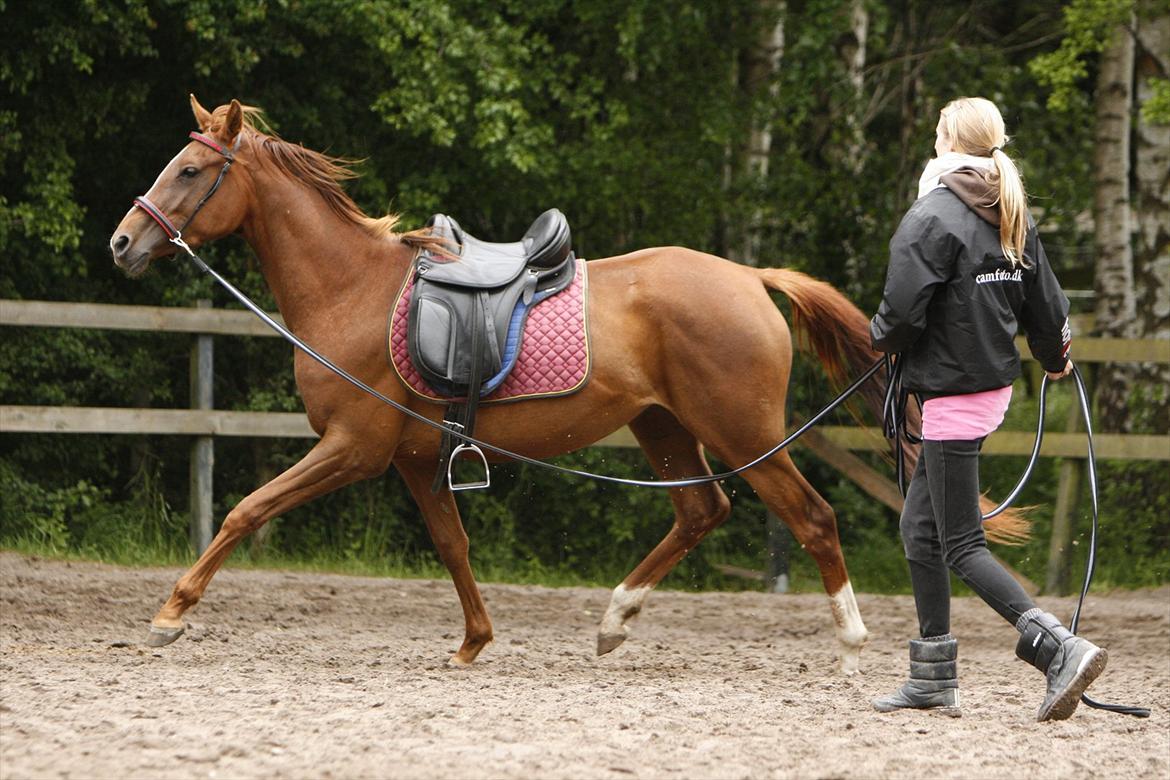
x: 484, y: 264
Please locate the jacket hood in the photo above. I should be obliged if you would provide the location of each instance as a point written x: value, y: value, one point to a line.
x: 979, y: 190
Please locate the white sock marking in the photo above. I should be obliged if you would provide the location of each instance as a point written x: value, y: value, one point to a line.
x: 623, y: 605
x: 851, y: 633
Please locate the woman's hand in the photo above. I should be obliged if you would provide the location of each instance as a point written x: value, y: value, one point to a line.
x: 1055, y: 375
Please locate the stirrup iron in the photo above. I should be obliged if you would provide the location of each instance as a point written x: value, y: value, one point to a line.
x: 476, y: 485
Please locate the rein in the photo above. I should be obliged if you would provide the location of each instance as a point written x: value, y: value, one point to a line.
x: 893, y: 418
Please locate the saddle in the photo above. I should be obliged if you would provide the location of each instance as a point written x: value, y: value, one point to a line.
x: 467, y: 314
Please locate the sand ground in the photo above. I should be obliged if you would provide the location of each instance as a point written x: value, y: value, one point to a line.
x: 299, y: 675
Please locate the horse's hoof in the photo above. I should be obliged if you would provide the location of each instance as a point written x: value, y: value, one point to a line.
x: 161, y: 637
x: 455, y: 662
x: 607, y: 642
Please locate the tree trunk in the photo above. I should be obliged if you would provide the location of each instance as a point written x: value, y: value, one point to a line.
x: 758, y: 67
x: 1116, y: 304
x: 1152, y: 216
x: 911, y: 154
x: 852, y: 50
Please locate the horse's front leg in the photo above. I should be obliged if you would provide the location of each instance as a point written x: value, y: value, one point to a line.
x: 446, y: 529
x: 334, y: 462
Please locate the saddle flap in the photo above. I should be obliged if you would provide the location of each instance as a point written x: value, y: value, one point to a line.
x: 433, y: 345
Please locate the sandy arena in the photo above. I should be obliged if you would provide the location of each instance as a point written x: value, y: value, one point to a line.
x: 290, y: 675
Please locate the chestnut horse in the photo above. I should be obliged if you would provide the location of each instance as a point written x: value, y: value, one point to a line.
x: 689, y: 352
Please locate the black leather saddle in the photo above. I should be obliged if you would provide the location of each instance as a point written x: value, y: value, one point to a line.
x: 486, y: 290
x: 467, y: 313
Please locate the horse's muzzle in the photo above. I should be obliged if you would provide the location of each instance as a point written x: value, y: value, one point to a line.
x: 132, y: 261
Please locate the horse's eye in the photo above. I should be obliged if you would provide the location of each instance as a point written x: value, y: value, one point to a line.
x: 189, y: 172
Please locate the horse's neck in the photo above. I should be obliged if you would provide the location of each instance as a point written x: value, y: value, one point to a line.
x: 313, y: 260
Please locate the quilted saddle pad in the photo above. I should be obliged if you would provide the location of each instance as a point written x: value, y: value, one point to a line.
x: 554, y: 356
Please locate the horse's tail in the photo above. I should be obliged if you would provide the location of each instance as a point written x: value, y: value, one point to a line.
x: 838, y: 332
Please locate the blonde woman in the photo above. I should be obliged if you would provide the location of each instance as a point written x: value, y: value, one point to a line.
x: 967, y: 272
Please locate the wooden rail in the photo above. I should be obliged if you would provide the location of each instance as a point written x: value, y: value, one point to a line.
x: 830, y: 443
x: 236, y: 322
x: 213, y: 422
x: 108, y: 316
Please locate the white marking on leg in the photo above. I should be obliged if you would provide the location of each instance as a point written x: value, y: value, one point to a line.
x: 623, y: 605
x: 851, y: 633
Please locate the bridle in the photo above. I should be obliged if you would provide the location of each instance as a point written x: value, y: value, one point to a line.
x: 174, y: 234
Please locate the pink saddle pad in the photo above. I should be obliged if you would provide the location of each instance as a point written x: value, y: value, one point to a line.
x: 554, y: 353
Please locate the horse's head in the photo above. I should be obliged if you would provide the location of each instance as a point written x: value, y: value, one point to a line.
x: 181, y: 199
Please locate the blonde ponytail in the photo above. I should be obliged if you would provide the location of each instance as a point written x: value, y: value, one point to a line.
x: 976, y: 127
x: 1013, y: 209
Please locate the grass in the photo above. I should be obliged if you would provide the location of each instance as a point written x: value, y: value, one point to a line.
x: 873, y: 569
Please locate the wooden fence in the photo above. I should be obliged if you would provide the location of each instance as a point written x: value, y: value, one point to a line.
x: 203, y: 422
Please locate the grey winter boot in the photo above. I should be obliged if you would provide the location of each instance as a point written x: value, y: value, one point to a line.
x: 1069, y: 662
x: 934, y: 678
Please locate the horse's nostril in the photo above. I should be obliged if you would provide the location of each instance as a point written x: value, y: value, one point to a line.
x: 120, y: 243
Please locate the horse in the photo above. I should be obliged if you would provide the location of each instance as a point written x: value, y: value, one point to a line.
x: 669, y: 326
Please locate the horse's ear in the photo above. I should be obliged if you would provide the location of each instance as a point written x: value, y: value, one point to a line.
x: 234, y: 122
x: 202, y: 115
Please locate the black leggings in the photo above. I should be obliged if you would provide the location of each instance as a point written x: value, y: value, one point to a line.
x: 941, y: 528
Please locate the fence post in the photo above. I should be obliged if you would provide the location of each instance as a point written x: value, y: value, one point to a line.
x: 1064, y: 511
x: 203, y: 448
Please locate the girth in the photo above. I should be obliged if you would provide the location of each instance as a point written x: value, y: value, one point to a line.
x: 467, y: 314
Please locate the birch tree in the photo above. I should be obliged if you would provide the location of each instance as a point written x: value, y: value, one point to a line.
x: 852, y: 50
x: 758, y: 66
x: 1113, y: 276
x: 1152, y: 211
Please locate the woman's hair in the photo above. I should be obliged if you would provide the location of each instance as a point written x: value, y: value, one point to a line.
x: 975, y: 127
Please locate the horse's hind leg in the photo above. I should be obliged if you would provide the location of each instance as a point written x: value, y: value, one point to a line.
x: 442, y: 518
x: 332, y: 463
x: 674, y: 453
x: 814, y: 524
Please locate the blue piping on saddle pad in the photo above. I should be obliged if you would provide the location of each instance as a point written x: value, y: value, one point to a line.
x: 512, y: 343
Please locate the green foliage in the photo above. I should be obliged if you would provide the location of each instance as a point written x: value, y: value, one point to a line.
x: 1156, y: 109
x: 1088, y: 25
x: 1134, y: 534
x: 85, y: 519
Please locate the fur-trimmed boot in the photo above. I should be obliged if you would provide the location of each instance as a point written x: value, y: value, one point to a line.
x: 1069, y: 662
x: 934, y: 678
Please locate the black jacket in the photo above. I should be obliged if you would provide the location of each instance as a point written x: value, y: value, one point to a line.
x: 953, y: 303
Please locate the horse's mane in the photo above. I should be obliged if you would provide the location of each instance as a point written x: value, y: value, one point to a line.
x: 324, y: 173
